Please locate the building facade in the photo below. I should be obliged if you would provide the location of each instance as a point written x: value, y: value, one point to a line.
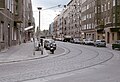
x: 55, y: 27
x: 51, y: 29
x: 28, y: 20
x: 87, y: 14
x: 91, y: 19
x: 12, y: 23
x: 108, y: 20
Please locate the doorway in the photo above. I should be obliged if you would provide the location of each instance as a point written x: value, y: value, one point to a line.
x: 8, y: 35
x: 108, y: 37
x: 118, y: 36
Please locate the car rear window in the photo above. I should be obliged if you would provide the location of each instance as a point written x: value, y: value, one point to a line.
x: 102, y: 40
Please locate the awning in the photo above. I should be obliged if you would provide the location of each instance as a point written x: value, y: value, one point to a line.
x: 100, y: 30
x: 115, y: 29
x: 28, y: 28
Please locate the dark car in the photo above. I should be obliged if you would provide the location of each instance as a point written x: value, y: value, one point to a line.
x: 100, y: 43
x: 116, y: 45
x: 48, y: 42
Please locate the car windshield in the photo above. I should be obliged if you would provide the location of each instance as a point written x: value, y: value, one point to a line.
x: 102, y: 40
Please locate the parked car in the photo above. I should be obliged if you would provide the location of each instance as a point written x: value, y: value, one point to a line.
x: 67, y: 38
x: 88, y: 42
x: 116, y: 45
x: 81, y: 42
x: 48, y: 43
x: 76, y: 40
x: 99, y: 43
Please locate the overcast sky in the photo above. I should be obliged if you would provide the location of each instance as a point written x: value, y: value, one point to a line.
x: 47, y: 16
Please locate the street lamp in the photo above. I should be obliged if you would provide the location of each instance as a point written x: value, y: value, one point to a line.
x: 40, y: 40
x: 39, y: 8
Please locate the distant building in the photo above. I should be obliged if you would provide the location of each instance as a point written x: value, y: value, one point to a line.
x: 55, y: 27
x: 51, y: 29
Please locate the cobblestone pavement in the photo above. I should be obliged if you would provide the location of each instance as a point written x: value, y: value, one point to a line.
x: 85, y: 65
x: 74, y: 58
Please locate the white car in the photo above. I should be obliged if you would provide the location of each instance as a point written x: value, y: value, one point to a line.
x: 88, y: 42
x: 100, y: 43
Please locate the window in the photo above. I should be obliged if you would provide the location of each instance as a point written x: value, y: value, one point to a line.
x: 95, y: 9
x: 113, y: 18
x: 102, y: 8
x: 12, y: 4
x: 90, y: 15
x: 16, y: 7
x: 113, y: 2
x: 1, y: 32
x: 109, y: 19
x: 105, y: 7
x: 87, y: 6
x: 108, y: 5
x: 118, y: 2
x: 2, y: 4
x: 8, y: 4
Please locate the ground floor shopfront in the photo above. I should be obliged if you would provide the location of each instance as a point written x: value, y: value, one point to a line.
x: 110, y: 35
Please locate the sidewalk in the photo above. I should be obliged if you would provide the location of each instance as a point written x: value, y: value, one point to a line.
x: 21, y: 52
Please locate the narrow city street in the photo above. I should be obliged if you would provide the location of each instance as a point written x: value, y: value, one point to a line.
x: 59, y: 40
x: 71, y: 62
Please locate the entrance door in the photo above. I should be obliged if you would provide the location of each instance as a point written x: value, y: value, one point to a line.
x: 118, y: 36
x: 108, y: 37
x: 9, y: 35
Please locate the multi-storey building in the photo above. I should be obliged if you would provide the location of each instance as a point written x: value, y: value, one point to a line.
x: 12, y: 22
x: 87, y: 14
x: 28, y: 20
x: 73, y: 18
x: 51, y: 29
x: 108, y: 20
x: 8, y: 28
x: 92, y: 19
x: 66, y: 22
x: 60, y: 25
x: 69, y: 21
x: 55, y: 27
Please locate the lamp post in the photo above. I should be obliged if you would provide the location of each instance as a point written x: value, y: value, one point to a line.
x: 40, y: 8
